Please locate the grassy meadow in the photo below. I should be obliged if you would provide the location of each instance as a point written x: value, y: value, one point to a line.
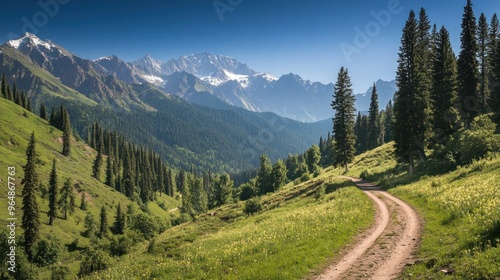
x: 297, y: 233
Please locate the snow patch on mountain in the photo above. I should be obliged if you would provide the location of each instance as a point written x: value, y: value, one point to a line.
x: 29, y: 38
x: 153, y: 79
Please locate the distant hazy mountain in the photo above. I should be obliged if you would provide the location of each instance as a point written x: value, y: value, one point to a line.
x: 385, y: 91
x: 236, y: 84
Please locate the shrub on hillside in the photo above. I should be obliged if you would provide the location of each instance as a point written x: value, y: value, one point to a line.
x: 94, y: 260
x: 247, y: 191
x: 146, y: 224
x: 252, y: 206
x: 48, y: 251
x: 465, y: 146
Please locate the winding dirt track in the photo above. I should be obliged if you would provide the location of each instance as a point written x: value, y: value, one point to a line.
x: 382, y: 251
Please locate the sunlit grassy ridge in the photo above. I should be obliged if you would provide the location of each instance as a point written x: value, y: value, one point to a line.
x: 16, y: 126
x: 460, y: 208
x: 294, y: 235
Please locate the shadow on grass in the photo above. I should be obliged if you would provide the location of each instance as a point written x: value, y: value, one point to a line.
x: 331, y: 187
x: 394, y: 177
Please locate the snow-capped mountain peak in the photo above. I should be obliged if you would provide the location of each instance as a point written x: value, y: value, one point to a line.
x: 30, y: 39
x: 149, y: 65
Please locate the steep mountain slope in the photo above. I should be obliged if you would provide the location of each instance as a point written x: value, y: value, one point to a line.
x: 82, y: 75
x: 16, y: 126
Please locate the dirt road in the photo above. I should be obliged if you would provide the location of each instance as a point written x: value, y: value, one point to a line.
x: 382, y: 251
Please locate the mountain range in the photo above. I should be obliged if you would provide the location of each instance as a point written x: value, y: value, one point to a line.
x: 236, y: 84
x: 117, y: 94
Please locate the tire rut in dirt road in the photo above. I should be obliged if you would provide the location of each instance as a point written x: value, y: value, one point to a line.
x: 382, y: 251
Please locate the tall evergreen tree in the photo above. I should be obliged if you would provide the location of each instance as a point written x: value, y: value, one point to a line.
x: 53, y: 193
x: 103, y: 228
x: 43, y: 112
x: 278, y: 174
x: 30, y: 219
x: 66, y: 123
x: 186, y: 206
x: 410, y: 104
x: 28, y: 105
x: 222, y: 190
x: 4, y: 87
x: 468, y: 75
x: 343, y: 122
x: 484, y: 68
x: 199, y: 198
x: 444, y: 93
x: 67, y: 202
x: 83, y: 202
x: 423, y: 56
x: 494, y: 101
x: 96, y: 168
x: 10, y: 96
x: 374, y: 130
x: 493, y: 40
x: 120, y: 221
x: 313, y: 156
x: 388, y: 122
x: 127, y: 183
x: 110, y: 174
x: 263, y: 183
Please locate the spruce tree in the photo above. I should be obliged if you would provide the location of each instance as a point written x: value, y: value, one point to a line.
x: 30, y: 219
x: 43, y: 112
x: 4, y: 87
x: 53, y: 193
x: 374, y: 130
x: 28, y: 105
x: 67, y: 199
x: 66, y: 123
x: 222, y: 190
x: 423, y: 56
x: 468, y: 75
x: 83, y: 202
x: 263, y: 183
x: 410, y: 104
x: 494, y: 101
x: 388, y: 122
x: 10, y: 96
x: 96, y: 168
x: 186, y: 206
x: 120, y: 221
x: 103, y: 228
x: 278, y: 173
x: 493, y: 39
x: 358, y: 129
x: 110, y: 175
x: 444, y: 93
x: 484, y: 68
x: 313, y: 156
x: 199, y: 198
x: 343, y: 121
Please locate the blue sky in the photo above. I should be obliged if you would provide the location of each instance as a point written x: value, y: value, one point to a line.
x: 276, y: 36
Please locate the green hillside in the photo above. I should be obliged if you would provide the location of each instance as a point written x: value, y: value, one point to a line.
x: 16, y: 126
x: 295, y: 235
x: 298, y: 232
